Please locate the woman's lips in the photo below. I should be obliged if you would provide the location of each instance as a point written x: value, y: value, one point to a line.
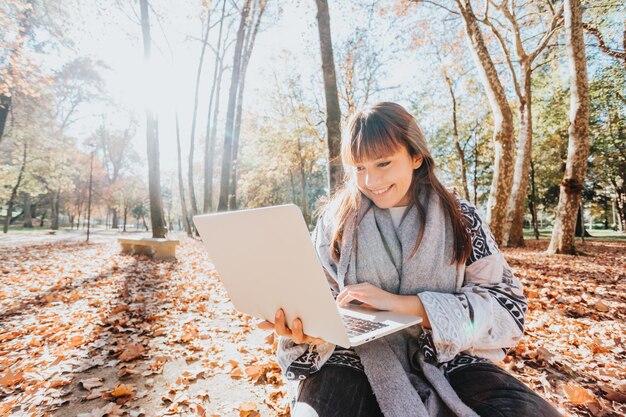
x: 381, y: 191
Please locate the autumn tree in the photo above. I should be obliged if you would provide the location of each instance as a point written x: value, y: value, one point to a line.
x: 37, y: 160
x: 26, y: 28
x: 206, y: 27
x: 503, y: 133
x: 251, y: 31
x: 230, y: 113
x: 117, y: 159
x: 152, y: 134
x: 608, y: 136
x: 363, y: 58
x: 15, y: 70
x: 212, y: 115
x: 333, y: 112
x: 131, y: 192
x: 181, y: 184
x: 562, y: 240
x: 448, y: 67
x: 77, y: 83
x: 521, y: 53
x: 23, y: 161
x: 296, y: 174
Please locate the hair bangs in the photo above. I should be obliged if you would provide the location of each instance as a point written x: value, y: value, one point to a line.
x: 372, y: 138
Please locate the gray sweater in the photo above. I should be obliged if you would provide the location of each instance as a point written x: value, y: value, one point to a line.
x: 475, y: 309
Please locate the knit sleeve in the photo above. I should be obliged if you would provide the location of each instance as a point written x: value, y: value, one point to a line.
x: 486, y: 315
x: 298, y: 361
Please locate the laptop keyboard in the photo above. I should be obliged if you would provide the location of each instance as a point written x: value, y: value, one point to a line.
x: 355, y: 326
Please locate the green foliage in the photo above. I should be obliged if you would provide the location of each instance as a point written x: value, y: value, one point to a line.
x: 278, y: 160
x: 283, y: 158
x: 474, y: 129
x: 550, y: 120
x: 607, y: 162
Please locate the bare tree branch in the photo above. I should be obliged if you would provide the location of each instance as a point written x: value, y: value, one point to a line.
x: 602, y: 45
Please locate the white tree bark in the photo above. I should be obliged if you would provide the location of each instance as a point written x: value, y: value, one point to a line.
x: 578, y: 147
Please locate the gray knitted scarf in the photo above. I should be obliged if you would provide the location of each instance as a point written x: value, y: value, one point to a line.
x: 374, y: 251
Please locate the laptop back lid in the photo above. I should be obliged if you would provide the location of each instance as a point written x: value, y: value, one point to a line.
x: 266, y: 261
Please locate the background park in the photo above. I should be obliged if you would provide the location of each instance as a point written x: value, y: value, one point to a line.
x: 123, y: 119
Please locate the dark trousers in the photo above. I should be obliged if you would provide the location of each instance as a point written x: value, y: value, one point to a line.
x: 336, y: 391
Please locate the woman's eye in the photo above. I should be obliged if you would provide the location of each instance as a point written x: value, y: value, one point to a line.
x: 359, y: 169
x: 383, y: 164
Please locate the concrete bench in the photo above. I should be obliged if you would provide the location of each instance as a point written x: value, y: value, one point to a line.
x: 156, y: 248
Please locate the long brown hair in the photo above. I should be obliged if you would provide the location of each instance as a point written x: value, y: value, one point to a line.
x: 375, y: 132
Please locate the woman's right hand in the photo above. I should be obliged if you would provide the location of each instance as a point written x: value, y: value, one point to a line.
x: 295, y: 332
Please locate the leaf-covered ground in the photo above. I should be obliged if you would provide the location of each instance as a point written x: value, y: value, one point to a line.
x: 85, y: 331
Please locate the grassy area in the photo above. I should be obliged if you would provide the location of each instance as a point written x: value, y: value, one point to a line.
x: 40, y: 231
x: 33, y: 230
x: 596, y: 234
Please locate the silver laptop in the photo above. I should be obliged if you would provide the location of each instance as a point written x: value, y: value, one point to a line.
x: 266, y: 260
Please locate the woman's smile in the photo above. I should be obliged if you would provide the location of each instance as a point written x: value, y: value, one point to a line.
x: 381, y: 191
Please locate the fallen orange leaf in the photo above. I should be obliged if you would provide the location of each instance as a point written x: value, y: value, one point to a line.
x: 132, y: 352
x: 122, y: 389
x: 577, y: 394
x: 11, y: 378
x: 236, y: 373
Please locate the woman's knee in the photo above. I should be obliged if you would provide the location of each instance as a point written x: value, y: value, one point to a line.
x: 336, y: 391
x: 492, y: 392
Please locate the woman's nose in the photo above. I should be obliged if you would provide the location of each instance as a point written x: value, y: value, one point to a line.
x: 372, y: 180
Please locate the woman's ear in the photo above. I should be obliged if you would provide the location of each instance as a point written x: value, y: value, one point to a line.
x: 417, y: 161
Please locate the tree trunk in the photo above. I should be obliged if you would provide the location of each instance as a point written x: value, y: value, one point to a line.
x: 125, y: 217
x: 209, y: 167
x: 114, y: 219
x: 230, y: 114
x: 253, y: 29
x: 28, y: 215
x: 563, y: 240
x: 56, y: 197
x: 209, y: 144
x: 20, y: 176
x: 503, y: 134
x: 152, y: 134
x: 181, y: 186
x: 192, y: 192
x: 620, y: 220
x: 41, y: 219
x: 333, y: 112
x: 303, y: 193
x: 514, y: 227
x: 580, y: 230
x: 25, y: 27
x: 455, y: 133
x: 5, y: 108
x: 145, y: 225
x: 514, y: 234
x: 533, y: 200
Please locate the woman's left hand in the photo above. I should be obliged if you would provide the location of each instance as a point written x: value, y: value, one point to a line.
x: 374, y: 297
x: 370, y: 295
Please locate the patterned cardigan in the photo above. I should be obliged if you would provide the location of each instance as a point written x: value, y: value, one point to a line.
x: 466, y: 327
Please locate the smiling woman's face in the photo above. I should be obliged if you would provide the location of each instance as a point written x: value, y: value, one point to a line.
x: 387, y: 180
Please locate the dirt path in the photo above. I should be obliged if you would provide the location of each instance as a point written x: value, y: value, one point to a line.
x: 164, y: 332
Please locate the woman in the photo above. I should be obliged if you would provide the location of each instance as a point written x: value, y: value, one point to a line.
x: 394, y: 238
